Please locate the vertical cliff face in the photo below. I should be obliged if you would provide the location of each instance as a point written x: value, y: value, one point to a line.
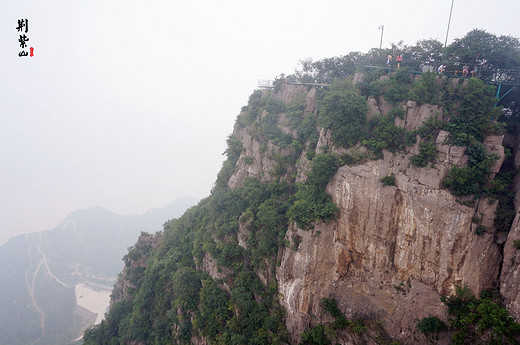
x: 393, y: 250
x: 510, y: 275
x: 388, y: 252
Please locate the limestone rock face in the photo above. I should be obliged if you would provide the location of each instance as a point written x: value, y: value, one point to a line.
x: 493, y: 144
x: 384, y: 106
x: 385, y: 236
x: 262, y: 162
x: 392, y: 251
x: 510, y: 275
x: 416, y: 115
x: 373, y: 108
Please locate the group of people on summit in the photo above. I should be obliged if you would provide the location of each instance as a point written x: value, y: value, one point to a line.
x: 441, y: 69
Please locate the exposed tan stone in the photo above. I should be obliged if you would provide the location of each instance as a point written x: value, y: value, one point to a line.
x: 415, y: 116
x: 408, y: 233
x: 493, y: 144
x: 373, y: 109
x: 385, y: 106
x: 393, y: 250
x: 358, y: 77
x: 510, y: 277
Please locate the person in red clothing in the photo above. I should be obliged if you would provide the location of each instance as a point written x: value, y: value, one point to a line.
x: 399, y: 59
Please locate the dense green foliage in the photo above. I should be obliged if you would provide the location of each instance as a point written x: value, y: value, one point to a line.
x: 426, y: 90
x: 342, y: 110
x: 383, y: 134
x: 399, y: 86
x: 253, y: 110
x: 478, y: 44
x: 427, y: 154
x: 473, y: 320
x: 328, y: 70
x: 154, y: 316
x: 430, y: 325
x: 430, y: 129
x: 315, y: 336
x: 501, y: 188
x: 312, y: 203
x: 328, y: 333
x: 473, y: 178
x: 475, y: 109
x: 241, y: 231
x: 267, y: 129
x: 388, y: 180
x: 372, y: 84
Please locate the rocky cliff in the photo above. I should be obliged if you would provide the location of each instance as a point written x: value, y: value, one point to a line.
x: 395, y: 230
x: 392, y: 251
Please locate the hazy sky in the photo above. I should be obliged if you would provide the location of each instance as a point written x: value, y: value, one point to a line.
x: 127, y: 104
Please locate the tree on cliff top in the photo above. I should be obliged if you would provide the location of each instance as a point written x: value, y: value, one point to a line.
x: 499, y: 51
x: 343, y: 111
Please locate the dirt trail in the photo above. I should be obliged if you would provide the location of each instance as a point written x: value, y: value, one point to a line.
x: 31, y: 287
x: 44, y: 258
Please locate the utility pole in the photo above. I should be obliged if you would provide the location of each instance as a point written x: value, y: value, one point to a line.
x: 381, y: 27
x: 449, y: 21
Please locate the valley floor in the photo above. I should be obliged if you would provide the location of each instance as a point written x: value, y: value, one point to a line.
x: 93, y: 297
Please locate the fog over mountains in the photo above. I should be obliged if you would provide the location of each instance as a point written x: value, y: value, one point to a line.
x: 53, y: 282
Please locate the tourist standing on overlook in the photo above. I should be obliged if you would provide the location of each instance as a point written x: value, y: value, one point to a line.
x: 474, y: 72
x: 399, y: 59
x: 465, y: 70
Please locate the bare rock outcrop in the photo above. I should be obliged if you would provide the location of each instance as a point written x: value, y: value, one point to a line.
x: 493, y: 144
x: 410, y: 238
x: 415, y: 115
x: 393, y: 250
x: 510, y: 275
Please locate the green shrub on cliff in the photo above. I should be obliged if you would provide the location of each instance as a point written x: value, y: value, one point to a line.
x: 372, y: 84
x: 275, y: 106
x: 427, y: 154
x: 471, y: 118
x: 473, y: 178
x: 430, y: 325
x: 473, y: 319
x: 253, y: 109
x: 384, y: 135
x: 426, y: 90
x: 388, y: 180
x: 312, y: 203
x: 399, y: 86
x: 342, y: 110
x: 315, y: 336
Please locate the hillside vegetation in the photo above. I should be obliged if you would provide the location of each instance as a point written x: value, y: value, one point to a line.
x: 211, y: 274
x: 38, y: 300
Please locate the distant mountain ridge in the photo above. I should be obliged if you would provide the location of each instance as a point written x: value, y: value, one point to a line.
x: 40, y: 270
